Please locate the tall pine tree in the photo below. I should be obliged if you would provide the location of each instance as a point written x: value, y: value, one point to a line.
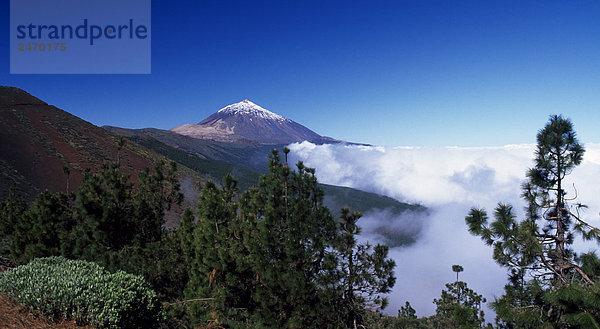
x: 42, y: 228
x: 289, y: 247
x: 460, y: 305
x: 366, y: 272
x: 537, y: 249
x: 218, y: 272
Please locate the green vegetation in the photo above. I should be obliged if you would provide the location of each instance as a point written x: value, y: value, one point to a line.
x: 271, y: 257
x: 274, y: 256
x: 105, y: 215
x: 366, y: 273
x: 11, y: 210
x: 549, y: 285
x: 459, y: 305
x: 336, y: 197
x: 59, y: 287
x: 213, y: 169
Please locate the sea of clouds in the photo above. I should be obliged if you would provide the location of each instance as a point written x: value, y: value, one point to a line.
x: 448, y: 181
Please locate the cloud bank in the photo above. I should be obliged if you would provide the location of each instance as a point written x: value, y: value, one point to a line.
x: 449, y: 181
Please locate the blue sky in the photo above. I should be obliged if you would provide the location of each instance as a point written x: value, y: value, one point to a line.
x: 425, y: 73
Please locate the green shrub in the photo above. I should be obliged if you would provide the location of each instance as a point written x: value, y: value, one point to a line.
x: 59, y: 287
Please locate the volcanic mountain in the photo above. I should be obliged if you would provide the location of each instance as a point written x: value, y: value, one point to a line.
x: 248, y: 121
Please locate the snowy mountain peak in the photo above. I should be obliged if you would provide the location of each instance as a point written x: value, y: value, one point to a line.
x: 250, y: 122
x: 246, y: 107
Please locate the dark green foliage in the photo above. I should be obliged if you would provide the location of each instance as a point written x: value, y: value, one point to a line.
x: 156, y: 192
x: 590, y: 264
x: 161, y: 263
x: 366, y: 272
x: 407, y: 318
x: 276, y: 258
x: 107, y: 220
x: 11, y: 210
x: 537, y: 249
x: 407, y: 311
x: 84, y: 291
x: 185, y: 234
x: 289, y: 246
x: 110, y: 213
x: 212, y: 168
x: 218, y: 265
x: 103, y: 212
x: 575, y: 305
x: 40, y: 229
x: 521, y: 304
x: 460, y: 305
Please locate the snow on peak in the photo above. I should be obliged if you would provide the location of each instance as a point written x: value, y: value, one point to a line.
x: 246, y: 107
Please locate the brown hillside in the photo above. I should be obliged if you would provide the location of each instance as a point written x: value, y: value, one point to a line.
x: 37, y: 140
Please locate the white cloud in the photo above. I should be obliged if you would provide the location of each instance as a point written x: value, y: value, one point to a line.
x: 449, y: 181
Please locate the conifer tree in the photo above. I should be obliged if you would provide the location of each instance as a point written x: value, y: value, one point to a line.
x: 156, y: 192
x: 218, y: 272
x: 407, y: 318
x: 103, y: 213
x: 407, y: 311
x: 366, y: 272
x: 185, y: 234
x: 289, y: 247
x: 536, y: 249
x: 11, y: 210
x: 460, y: 304
x: 42, y: 228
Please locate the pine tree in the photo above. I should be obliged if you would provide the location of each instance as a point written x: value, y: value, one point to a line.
x: 103, y: 215
x: 41, y: 228
x: 460, y: 304
x: 538, y: 247
x: 366, y: 272
x: 218, y: 269
x: 185, y: 234
x: 11, y: 210
x: 156, y: 192
x: 407, y: 311
x: 289, y: 247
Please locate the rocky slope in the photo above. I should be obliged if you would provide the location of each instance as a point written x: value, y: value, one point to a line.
x: 38, y: 140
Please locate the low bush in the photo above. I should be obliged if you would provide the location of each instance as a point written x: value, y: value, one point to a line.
x: 59, y: 287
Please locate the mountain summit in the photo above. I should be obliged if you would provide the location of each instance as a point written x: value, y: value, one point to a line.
x: 246, y: 107
x: 248, y: 121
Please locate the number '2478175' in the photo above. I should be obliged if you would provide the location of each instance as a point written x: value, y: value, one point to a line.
x: 35, y: 46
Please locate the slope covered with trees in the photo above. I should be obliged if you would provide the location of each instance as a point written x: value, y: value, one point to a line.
x: 272, y: 257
